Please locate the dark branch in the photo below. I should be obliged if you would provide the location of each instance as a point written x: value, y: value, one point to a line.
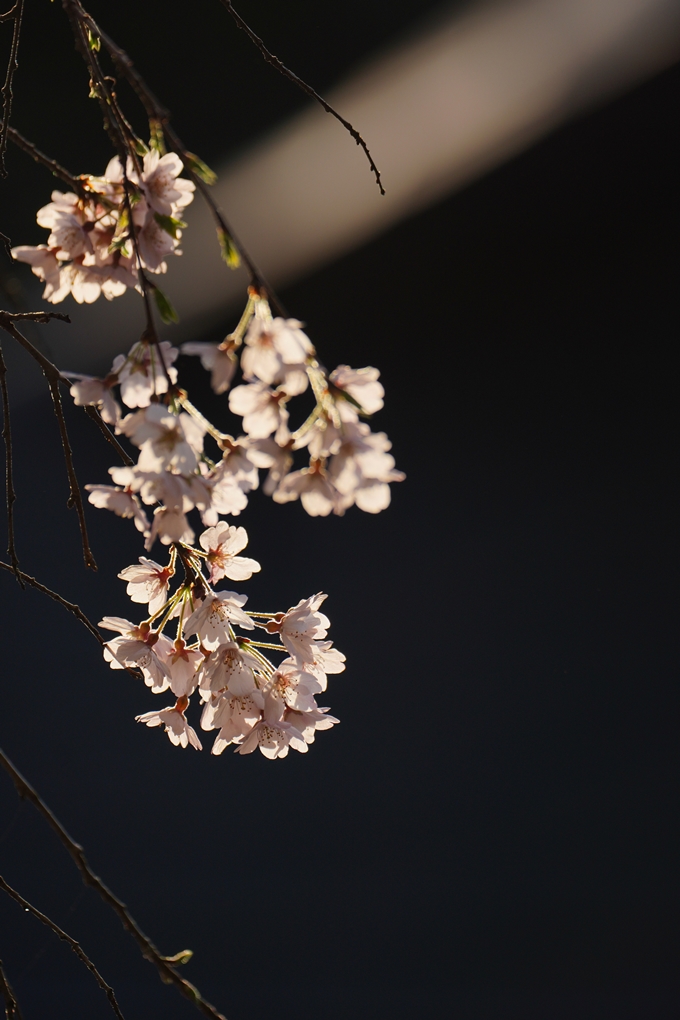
x: 56, y: 168
x: 287, y: 73
x: 12, y: 1011
x: 75, y: 946
x: 10, y: 494
x: 53, y: 377
x: 16, y: 14
x: 96, y: 417
x: 71, y: 606
x: 167, y: 972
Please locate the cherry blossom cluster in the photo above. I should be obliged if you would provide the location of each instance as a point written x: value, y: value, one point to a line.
x: 348, y: 463
x: 247, y: 699
x: 93, y: 248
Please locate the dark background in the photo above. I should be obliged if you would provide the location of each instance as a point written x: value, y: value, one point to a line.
x: 491, y: 832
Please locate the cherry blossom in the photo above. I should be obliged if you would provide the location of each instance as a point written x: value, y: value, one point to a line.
x: 176, y: 726
x: 306, y: 723
x: 122, y: 501
x: 135, y: 647
x: 142, y: 372
x: 213, y: 617
x: 234, y: 716
x: 147, y: 583
x: 219, y: 359
x: 263, y: 410
x: 311, y: 485
x: 222, y: 544
x: 230, y: 668
x: 169, y: 525
x: 326, y: 659
x: 273, y: 739
x: 300, y: 627
x: 87, y: 390
x: 182, y: 664
x: 272, y: 347
x: 361, y: 384
x: 164, y: 190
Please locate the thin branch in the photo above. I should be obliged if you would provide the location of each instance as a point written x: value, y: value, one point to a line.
x: 287, y: 73
x: 10, y: 494
x: 75, y: 946
x: 12, y: 1011
x: 75, y: 496
x: 166, y: 971
x: 53, y: 377
x: 16, y: 14
x: 93, y: 413
x: 55, y: 168
x: 71, y: 606
x: 156, y: 111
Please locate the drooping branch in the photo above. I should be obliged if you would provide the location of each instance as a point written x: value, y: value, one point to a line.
x: 12, y: 1011
x: 96, y: 417
x: 75, y: 946
x: 162, y: 963
x: 53, y: 377
x: 15, y: 15
x: 156, y: 111
x: 287, y: 73
x: 10, y: 494
x: 55, y: 168
x: 71, y: 606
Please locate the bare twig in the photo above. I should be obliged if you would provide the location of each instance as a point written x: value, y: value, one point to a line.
x: 71, y: 606
x: 12, y: 1011
x: 96, y: 417
x: 10, y: 494
x: 287, y: 73
x: 149, y: 951
x: 7, y: 243
x: 56, y: 168
x: 75, y: 946
x: 53, y: 377
x: 15, y: 14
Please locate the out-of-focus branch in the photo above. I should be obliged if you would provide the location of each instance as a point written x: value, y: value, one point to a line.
x: 75, y: 946
x: 287, y: 73
x: 12, y: 1011
x: 10, y: 494
x: 165, y: 969
x: 15, y: 14
x: 53, y: 377
x: 96, y: 417
x: 56, y: 168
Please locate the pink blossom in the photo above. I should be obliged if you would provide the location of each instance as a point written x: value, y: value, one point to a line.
x: 361, y: 384
x: 219, y: 359
x: 300, y: 627
x: 222, y: 543
x: 177, y: 728
x: 214, y: 616
x: 147, y: 583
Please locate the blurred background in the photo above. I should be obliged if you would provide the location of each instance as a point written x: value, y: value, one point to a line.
x: 492, y: 830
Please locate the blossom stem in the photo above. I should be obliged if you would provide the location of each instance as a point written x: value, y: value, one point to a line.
x: 75, y: 946
x: 195, y: 413
x: 267, y: 644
